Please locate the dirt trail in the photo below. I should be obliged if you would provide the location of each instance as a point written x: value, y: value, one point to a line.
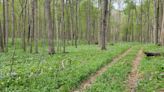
x: 133, y: 76
x: 87, y: 83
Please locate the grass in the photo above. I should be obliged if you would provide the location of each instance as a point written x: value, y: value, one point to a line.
x: 115, y: 79
x: 59, y: 73
x: 152, y: 71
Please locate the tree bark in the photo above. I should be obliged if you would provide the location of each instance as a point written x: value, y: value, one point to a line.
x: 4, y: 22
x: 156, y: 6
x: 35, y: 25
x: 13, y: 23
x: 7, y: 25
x: 104, y: 25
x: 51, y: 49
x: 162, y: 30
x: 1, y: 39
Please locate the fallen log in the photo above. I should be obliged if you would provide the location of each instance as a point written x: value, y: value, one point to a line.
x: 150, y: 54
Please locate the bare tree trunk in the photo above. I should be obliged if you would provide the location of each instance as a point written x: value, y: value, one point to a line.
x: 13, y: 24
x: 4, y: 22
x: 162, y: 29
x: 77, y: 28
x: 35, y: 25
x: 1, y: 39
x: 104, y: 25
x: 127, y: 33
x: 88, y: 33
x: 141, y: 33
x: 29, y: 25
x: 7, y: 25
x: 24, y: 26
x: 32, y: 28
x: 71, y: 20
x: 148, y: 26
x: 51, y: 49
x: 156, y: 6
x: 63, y: 25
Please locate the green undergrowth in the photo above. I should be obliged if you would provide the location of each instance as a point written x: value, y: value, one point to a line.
x: 56, y: 73
x: 152, y: 71
x: 115, y: 78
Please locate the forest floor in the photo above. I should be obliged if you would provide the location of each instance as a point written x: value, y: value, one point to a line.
x: 121, y: 68
x: 87, y: 83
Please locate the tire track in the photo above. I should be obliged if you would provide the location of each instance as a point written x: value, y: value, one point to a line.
x: 133, y: 76
x: 87, y: 83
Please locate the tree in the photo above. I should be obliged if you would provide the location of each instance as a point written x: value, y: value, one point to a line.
x: 13, y: 23
x: 35, y: 28
x: 24, y: 5
x: 51, y: 49
x: 104, y: 25
x: 4, y: 22
x: 156, y: 13
x: 1, y: 39
x: 63, y: 24
x: 7, y: 24
x: 162, y: 29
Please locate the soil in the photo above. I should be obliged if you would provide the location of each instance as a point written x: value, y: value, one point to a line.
x: 133, y: 76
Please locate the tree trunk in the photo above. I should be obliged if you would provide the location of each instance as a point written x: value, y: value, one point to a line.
x: 24, y: 27
x: 162, y: 30
x: 156, y: 6
x: 13, y: 23
x: 148, y: 26
x: 77, y: 28
x: 104, y: 25
x: 141, y: 33
x: 51, y: 49
x: 63, y: 25
x: 1, y: 39
x: 7, y: 25
x: 35, y: 25
x: 4, y: 22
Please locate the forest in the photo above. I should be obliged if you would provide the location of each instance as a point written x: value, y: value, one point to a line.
x: 81, y: 45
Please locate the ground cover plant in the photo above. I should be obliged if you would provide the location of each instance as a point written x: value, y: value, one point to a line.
x: 115, y: 78
x: 152, y: 71
x: 72, y: 45
x: 61, y: 72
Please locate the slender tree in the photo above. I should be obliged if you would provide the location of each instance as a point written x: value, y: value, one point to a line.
x: 162, y: 29
x: 104, y: 25
x: 63, y: 25
x: 7, y: 24
x: 4, y: 22
x: 1, y: 39
x: 13, y: 23
x: 35, y: 24
x: 51, y: 49
x: 156, y: 13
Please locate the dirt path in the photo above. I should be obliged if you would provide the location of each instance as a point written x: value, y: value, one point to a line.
x: 87, y: 83
x: 133, y: 76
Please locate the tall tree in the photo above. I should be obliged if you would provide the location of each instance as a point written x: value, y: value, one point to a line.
x: 63, y: 24
x: 162, y: 29
x: 104, y: 25
x: 35, y: 28
x: 141, y: 21
x: 13, y: 23
x: 156, y: 13
x: 24, y: 6
x: 51, y: 49
x: 77, y: 28
x: 1, y: 39
x: 7, y: 24
x: 4, y: 21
